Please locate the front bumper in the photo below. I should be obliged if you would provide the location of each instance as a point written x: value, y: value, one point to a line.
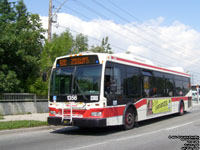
x: 80, y: 122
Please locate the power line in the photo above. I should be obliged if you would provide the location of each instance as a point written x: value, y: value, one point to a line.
x: 83, y: 5
x: 124, y: 19
x: 121, y: 49
x: 115, y: 32
x: 121, y: 34
x: 89, y: 8
x: 126, y: 12
x: 73, y: 10
x: 58, y: 9
x: 108, y: 29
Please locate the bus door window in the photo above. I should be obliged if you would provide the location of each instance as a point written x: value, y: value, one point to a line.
x: 114, y: 83
x: 107, y: 83
x: 113, y: 80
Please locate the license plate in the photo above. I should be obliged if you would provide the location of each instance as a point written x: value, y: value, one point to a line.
x: 73, y: 116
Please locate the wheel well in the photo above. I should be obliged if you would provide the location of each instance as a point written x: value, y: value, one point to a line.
x: 134, y: 109
x: 132, y: 106
x: 181, y: 101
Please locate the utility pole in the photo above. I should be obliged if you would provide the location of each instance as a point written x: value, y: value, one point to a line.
x: 50, y: 21
x: 52, y: 18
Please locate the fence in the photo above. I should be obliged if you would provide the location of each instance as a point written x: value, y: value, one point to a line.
x: 22, y: 97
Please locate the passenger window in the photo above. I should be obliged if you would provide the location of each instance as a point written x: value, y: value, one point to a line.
x: 133, y: 84
x: 169, y: 87
x: 147, y: 84
x: 179, y: 88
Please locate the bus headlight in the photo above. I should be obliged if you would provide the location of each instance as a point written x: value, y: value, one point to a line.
x: 96, y: 113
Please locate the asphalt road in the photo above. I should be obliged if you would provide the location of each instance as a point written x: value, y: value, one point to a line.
x: 157, y: 134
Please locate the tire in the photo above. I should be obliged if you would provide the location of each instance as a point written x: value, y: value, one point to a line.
x: 129, y: 119
x: 181, y: 109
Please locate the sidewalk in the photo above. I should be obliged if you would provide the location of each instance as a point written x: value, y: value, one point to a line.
x: 36, y: 116
x: 195, y: 104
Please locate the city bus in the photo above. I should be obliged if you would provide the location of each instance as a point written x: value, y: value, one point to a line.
x: 100, y: 90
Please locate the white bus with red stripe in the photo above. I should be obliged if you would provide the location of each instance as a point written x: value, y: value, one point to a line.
x: 99, y: 90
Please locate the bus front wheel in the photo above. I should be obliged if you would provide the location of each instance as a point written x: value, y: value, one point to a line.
x: 129, y: 121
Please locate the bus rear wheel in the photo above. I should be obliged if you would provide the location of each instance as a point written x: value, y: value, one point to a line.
x: 181, y: 109
x: 129, y: 121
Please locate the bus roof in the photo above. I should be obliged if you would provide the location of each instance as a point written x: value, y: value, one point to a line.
x: 129, y: 59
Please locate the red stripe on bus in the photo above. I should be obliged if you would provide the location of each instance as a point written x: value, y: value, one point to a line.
x: 175, y: 99
x: 114, y: 111
x: 106, y: 112
x: 146, y: 65
x: 141, y: 103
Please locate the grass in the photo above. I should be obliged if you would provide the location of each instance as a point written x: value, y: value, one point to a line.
x: 21, y: 124
x: 1, y: 117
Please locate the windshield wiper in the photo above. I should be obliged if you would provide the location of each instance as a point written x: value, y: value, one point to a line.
x: 81, y: 91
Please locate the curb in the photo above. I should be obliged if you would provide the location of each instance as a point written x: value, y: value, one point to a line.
x: 32, y: 129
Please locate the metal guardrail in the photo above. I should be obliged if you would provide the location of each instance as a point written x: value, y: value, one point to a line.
x: 22, y: 97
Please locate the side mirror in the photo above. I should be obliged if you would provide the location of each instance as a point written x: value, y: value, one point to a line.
x: 44, y: 77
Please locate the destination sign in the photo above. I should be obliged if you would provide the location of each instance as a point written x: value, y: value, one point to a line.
x: 78, y: 60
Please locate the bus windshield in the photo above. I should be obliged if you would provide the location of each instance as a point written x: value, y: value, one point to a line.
x: 80, y: 80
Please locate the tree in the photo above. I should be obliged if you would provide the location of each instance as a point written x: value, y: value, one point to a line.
x: 20, y: 47
x: 59, y: 46
x: 80, y: 44
x: 104, y: 48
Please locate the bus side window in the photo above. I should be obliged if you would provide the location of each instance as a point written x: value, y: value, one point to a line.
x: 159, y: 84
x: 169, y: 85
x: 178, y: 86
x: 147, y: 84
x: 133, y: 82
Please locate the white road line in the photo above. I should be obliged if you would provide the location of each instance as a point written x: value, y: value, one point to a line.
x: 130, y: 137
x: 139, y: 135
x: 87, y: 146
x: 174, y: 127
x: 194, y: 108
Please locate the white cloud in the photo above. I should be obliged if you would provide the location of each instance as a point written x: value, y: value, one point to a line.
x: 175, y: 45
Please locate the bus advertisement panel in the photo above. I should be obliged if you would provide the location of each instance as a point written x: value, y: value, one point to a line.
x: 156, y: 106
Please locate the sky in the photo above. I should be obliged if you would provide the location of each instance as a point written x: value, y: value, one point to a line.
x: 165, y: 32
